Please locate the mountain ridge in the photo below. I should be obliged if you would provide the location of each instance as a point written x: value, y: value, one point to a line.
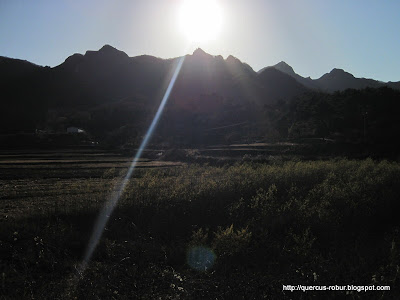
x: 335, y: 80
x: 112, y: 95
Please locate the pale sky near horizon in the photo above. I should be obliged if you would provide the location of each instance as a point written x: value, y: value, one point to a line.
x: 313, y: 36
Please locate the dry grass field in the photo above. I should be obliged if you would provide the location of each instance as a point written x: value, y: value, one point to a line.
x: 196, y: 231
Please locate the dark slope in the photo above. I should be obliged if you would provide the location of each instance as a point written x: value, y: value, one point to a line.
x: 211, y: 92
x: 214, y: 100
x: 22, y: 102
x: 394, y: 85
x: 107, y: 75
x: 285, y: 68
x: 13, y: 69
x: 340, y: 80
x: 204, y: 74
x: 336, y: 80
x: 278, y: 85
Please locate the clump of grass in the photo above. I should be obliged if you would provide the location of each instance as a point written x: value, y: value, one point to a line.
x: 229, y: 242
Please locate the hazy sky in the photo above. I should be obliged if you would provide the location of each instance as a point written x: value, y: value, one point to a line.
x: 313, y: 36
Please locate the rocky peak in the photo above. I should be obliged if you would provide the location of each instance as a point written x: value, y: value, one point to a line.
x: 284, y: 67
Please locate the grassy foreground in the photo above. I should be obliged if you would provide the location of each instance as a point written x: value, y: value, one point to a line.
x: 203, y: 232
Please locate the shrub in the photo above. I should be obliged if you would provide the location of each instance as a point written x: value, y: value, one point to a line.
x: 228, y: 242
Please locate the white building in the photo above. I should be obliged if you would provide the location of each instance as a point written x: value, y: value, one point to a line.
x: 75, y: 130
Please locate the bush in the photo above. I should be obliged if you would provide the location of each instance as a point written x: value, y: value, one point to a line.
x: 228, y: 242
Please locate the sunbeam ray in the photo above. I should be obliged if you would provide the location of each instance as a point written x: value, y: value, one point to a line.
x: 116, y: 195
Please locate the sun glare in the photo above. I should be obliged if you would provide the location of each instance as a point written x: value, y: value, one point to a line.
x: 200, y: 20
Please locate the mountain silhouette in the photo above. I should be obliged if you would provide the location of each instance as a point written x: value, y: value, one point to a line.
x: 336, y: 80
x: 278, y: 84
x: 111, y: 95
x: 340, y: 80
x: 285, y: 68
x: 12, y: 69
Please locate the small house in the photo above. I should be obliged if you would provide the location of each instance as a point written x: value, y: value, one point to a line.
x: 75, y: 130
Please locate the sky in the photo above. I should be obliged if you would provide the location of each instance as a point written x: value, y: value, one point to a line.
x: 313, y: 36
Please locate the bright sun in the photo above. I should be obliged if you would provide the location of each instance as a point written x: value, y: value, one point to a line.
x: 200, y: 20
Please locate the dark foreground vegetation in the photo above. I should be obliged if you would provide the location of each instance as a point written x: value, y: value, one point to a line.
x: 203, y: 232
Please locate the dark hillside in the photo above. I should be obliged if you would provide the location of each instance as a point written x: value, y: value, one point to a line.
x: 214, y: 101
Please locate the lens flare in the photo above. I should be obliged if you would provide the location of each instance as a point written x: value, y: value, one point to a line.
x: 116, y: 195
x: 200, y: 258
